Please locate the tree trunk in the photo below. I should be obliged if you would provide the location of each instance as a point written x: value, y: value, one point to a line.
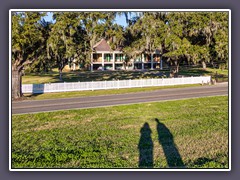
x: 124, y: 65
x: 204, y: 66
x: 177, y: 69
x: 174, y: 70
x: 61, y: 64
x: 60, y: 74
x: 16, y: 84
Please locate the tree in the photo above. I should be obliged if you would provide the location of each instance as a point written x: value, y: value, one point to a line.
x: 26, y: 39
x: 209, y: 32
x: 146, y: 35
x: 220, y: 39
x: 178, y: 50
x: 66, y: 40
x: 97, y: 25
x: 182, y: 36
x: 42, y: 63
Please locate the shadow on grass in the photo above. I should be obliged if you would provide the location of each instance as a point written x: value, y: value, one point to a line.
x: 110, y: 75
x: 27, y: 96
x: 170, y: 150
x: 83, y: 76
x: 145, y: 147
x: 204, y: 162
x: 37, y: 89
x: 219, y: 76
x: 194, y: 72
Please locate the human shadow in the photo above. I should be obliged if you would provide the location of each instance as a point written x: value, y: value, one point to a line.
x: 170, y: 150
x: 145, y: 147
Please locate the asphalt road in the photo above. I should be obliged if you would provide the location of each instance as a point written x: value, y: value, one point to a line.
x: 23, y: 107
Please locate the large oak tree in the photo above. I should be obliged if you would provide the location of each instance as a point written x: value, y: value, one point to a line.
x: 26, y: 40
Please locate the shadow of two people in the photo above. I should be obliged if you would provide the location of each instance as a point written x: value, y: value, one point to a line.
x: 165, y: 139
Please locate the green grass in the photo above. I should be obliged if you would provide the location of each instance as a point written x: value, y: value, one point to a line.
x: 114, y: 137
x: 98, y: 92
x: 218, y: 71
x: 218, y: 74
x: 75, y: 76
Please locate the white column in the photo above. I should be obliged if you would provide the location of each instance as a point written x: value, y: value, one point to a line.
x: 102, y: 61
x: 91, y: 68
x: 151, y: 61
x: 113, y: 67
x: 91, y: 57
x: 74, y: 66
x: 91, y: 62
x: 142, y: 59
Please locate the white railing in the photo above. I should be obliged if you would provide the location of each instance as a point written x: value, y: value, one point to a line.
x: 96, y: 85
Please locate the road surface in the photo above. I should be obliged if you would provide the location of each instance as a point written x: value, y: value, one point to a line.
x: 34, y: 106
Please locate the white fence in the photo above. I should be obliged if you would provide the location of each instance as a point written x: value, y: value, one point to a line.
x: 96, y: 85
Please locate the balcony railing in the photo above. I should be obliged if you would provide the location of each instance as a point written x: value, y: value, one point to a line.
x: 108, y: 60
x: 97, y: 60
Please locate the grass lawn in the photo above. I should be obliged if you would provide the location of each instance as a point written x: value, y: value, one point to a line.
x: 98, y: 92
x: 218, y: 74
x: 189, y: 133
x: 75, y: 76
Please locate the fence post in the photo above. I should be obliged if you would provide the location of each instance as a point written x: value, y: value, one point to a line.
x: 118, y: 83
x: 92, y: 85
x: 210, y: 80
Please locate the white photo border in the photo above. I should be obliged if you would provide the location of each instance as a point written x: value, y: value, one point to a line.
x: 117, y: 10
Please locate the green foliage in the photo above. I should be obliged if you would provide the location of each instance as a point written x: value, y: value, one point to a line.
x: 27, y: 41
x: 26, y: 38
x: 182, y: 36
x: 67, y: 40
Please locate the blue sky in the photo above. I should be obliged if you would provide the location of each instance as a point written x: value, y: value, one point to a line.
x: 48, y: 17
x: 121, y: 20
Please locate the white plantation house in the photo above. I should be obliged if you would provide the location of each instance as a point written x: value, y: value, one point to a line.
x: 104, y: 58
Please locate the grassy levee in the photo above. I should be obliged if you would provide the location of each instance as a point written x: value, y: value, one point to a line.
x: 190, y: 133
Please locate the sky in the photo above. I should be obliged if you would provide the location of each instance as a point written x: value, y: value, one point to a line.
x: 121, y: 20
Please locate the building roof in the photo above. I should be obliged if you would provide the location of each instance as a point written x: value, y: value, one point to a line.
x: 102, y: 46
